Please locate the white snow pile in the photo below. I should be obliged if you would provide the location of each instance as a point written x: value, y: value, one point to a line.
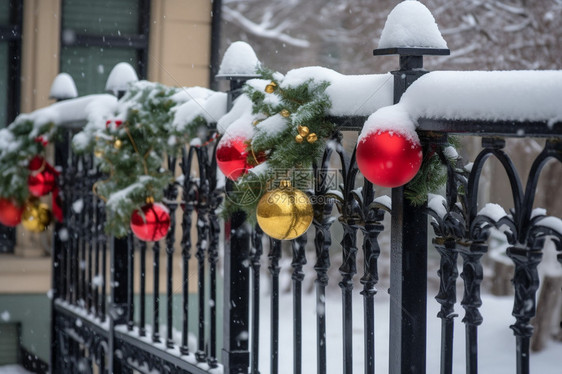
x: 69, y: 111
x: 63, y: 87
x: 211, y: 106
x: 438, y: 204
x: 351, y: 95
x: 474, y: 95
x: 120, y: 77
x: 486, y: 95
x: 411, y: 24
x: 240, y: 118
x: 493, y: 211
x: 239, y: 60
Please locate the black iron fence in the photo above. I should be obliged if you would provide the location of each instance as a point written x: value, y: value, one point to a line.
x: 106, y: 318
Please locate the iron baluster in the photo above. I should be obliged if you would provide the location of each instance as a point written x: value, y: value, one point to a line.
x: 214, y: 232
x: 527, y: 238
x: 142, y: 291
x: 189, y: 198
x: 472, y: 276
x: 89, y: 228
x: 97, y: 228
x: 274, y: 269
x: 82, y: 242
x: 171, y: 195
x: 202, y: 208
x: 299, y: 260
x: 130, y: 283
x: 322, y: 222
x: 103, y: 297
x: 447, y: 297
x: 347, y: 271
x: 371, y: 251
x: 156, y: 293
x: 350, y: 216
x: 255, y: 262
x: 526, y: 284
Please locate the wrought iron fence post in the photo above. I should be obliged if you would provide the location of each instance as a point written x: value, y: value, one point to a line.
x: 235, y: 353
x: 61, y: 157
x: 119, y: 284
x: 61, y: 160
x: 408, y: 265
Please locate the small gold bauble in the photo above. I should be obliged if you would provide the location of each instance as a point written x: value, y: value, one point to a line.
x: 36, y: 216
x: 149, y: 200
x: 255, y: 122
x: 303, y: 130
x: 98, y: 153
x: 285, y: 113
x: 118, y: 143
x: 312, y: 138
x: 270, y: 87
x: 299, y: 139
x: 285, y: 213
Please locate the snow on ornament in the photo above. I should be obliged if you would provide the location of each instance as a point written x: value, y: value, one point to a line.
x: 411, y: 24
x: 389, y: 152
x: 151, y: 223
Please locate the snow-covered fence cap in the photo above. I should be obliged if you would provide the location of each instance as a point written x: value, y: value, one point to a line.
x: 239, y: 61
x: 411, y: 24
x: 120, y: 77
x: 63, y: 88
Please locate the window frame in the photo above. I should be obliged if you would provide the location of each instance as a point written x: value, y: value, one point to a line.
x: 12, y: 34
x: 139, y: 42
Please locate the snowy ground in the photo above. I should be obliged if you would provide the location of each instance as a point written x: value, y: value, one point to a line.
x: 13, y: 369
x: 496, y: 340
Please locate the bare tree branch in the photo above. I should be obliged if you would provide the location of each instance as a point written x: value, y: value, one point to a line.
x: 264, y: 29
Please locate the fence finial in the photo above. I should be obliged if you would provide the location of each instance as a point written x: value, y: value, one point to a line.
x: 411, y: 30
x: 63, y: 88
x: 120, y: 77
x: 239, y: 62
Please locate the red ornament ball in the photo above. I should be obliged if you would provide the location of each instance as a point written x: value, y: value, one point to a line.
x: 388, y: 158
x: 42, y: 179
x: 151, y: 223
x: 10, y: 213
x: 232, y: 157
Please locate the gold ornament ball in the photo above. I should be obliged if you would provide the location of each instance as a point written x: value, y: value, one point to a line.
x: 285, y: 213
x: 285, y: 113
x: 98, y: 153
x: 299, y: 139
x: 303, y: 130
x: 118, y: 144
x: 270, y: 87
x: 36, y: 216
x: 312, y: 138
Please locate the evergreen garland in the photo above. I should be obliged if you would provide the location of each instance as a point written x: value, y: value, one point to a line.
x: 282, y: 113
x: 132, y: 152
x: 19, y: 143
x: 432, y: 174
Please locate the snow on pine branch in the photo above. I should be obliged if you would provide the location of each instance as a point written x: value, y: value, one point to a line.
x: 266, y: 28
